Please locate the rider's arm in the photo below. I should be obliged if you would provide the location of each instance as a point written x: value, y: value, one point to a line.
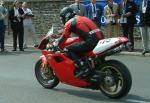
x: 65, y: 34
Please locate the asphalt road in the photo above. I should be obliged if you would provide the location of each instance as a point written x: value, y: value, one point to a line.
x: 19, y: 85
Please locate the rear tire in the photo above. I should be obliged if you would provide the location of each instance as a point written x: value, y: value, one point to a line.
x: 117, y: 77
x: 45, y: 76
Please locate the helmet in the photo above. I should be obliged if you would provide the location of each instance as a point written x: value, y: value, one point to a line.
x: 66, y: 14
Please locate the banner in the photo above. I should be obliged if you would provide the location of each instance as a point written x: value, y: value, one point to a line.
x: 103, y: 3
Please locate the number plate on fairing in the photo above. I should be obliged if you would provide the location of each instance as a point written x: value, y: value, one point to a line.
x: 105, y: 44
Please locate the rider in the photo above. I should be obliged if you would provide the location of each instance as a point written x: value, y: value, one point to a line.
x: 86, y: 30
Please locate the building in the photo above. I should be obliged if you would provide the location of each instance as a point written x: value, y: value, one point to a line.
x: 46, y: 13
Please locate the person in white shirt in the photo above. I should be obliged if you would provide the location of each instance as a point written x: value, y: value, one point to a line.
x: 29, y: 29
x: 111, y: 16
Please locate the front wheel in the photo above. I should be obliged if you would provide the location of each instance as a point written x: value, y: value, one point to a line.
x: 116, y: 81
x: 45, y: 75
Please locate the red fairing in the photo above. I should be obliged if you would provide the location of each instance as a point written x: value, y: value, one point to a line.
x: 75, y: 40
x: 123, y: 39
x: 90, y: 54
x: 64, y: 69
x: 70, y: 41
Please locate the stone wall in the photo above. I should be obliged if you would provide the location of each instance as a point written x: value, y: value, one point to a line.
x: 46, y: 13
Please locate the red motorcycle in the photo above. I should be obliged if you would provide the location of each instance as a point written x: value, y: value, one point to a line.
x: 111, y: 77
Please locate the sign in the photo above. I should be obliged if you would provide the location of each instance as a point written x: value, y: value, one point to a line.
x: 103, y: 3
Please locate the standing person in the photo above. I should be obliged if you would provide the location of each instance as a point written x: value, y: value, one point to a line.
x: 128, y: 10
x: 111, y: 17
x: 3, y: 14
x: 145, y: 24
x: 79, y: 8
x: 94, y: 12
x: 29, y: 28
x: 16, y: 19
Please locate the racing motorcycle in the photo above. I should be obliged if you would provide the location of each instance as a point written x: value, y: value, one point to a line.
x: 111, y: 76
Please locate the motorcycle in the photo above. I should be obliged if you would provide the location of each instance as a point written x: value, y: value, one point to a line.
x: 111, y: 77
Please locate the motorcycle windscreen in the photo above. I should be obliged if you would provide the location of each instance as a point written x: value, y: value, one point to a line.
x: 107, y: 44
x: 42, y: 44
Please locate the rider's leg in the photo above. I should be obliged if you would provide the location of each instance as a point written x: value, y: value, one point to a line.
x: 79, y: 49
x: 80, y: 64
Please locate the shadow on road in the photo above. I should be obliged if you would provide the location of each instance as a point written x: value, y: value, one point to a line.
x: 135, y: 99
x: 98, y: 96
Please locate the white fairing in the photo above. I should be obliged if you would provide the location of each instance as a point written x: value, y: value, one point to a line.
x: 105, y: 44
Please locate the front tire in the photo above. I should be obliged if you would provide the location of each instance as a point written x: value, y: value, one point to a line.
x: 45, y: 75
x: 117, y: 80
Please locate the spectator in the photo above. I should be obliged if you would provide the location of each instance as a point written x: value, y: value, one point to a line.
x: 111, y: 18
x: 29, y: 28
x: 79, y: 8
x: 128, y: 10
x: 145, y: 24
x: 3, y: 14
x: 16, y: 20
x: 94, y: 12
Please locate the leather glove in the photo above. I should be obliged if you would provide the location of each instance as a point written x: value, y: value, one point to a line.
x: 55, y: 43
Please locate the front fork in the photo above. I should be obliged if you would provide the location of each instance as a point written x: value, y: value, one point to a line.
x: 44, y: 61
x: 46, y: 73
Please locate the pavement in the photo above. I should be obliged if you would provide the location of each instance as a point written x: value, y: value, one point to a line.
x: 136, y: 52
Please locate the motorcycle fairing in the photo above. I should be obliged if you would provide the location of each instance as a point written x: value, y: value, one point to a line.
x: 64, y: 69
x: 102, y: 46
x: 107, y: 44
x: 70, y: 41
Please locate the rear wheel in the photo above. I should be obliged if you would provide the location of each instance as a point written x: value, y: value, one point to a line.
x: 45, y: 75
x: 117, y: 80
